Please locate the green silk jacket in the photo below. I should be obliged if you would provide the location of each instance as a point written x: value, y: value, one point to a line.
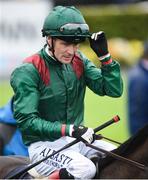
x: 49, y: 96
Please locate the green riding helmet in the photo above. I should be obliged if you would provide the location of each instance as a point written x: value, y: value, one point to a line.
x: 66, y: 23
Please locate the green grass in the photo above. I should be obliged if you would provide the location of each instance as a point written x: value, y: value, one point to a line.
x: 101, y: 109
x: 5, y: 92
x: 97, y: 111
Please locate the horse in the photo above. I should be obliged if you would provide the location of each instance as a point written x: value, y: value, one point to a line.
x: 135, y: 148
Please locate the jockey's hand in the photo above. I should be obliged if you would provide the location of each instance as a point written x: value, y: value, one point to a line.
x: 83, y: 133
x: 98, y: 43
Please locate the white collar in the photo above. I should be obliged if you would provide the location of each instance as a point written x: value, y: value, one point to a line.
x: 47, y: 51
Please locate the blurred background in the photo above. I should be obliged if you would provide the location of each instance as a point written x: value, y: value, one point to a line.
x: 125, y: 23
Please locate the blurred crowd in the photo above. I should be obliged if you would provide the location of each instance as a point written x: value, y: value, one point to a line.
x: 137, y: 93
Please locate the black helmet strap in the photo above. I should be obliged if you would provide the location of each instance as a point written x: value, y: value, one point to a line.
x: 51, y: 48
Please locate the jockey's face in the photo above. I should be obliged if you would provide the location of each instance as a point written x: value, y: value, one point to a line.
x: 63, y: 51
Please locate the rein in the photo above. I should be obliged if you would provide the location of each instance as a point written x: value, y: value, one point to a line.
x: 118, y: 157
x: 99, y: 136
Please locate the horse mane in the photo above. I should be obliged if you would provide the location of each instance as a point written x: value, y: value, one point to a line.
x: 127, y: 147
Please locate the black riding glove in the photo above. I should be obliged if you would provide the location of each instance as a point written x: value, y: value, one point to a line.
x: 83, y: 133
x: 98, y: 43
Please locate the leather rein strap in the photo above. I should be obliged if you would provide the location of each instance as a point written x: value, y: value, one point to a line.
x: 118, y: 157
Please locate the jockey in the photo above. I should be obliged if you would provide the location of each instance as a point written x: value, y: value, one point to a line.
x: 49, y: 95
x: 10, y: 137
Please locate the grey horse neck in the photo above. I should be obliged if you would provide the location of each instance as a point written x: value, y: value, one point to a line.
x: 8, y: 163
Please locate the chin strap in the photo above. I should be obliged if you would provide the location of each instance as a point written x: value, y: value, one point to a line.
x: 51, y: 48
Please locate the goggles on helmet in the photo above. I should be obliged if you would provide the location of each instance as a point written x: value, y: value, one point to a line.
x: 70, y: 29
x: 74, y: 29
x: 72, y: 39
